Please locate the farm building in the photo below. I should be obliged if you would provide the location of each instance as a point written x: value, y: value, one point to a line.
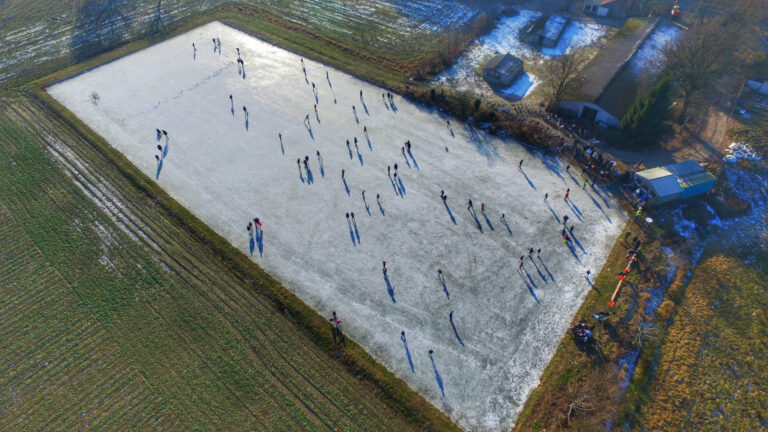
x: 676, y: 181
x: 608, y: 89
x: 607, y: 8
x: 552, y: 30
x: 503, y: 69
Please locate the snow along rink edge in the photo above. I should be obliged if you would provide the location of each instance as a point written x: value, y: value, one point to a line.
x: 228, y: 167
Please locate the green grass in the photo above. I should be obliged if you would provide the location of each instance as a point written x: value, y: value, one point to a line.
x: 192, y: 333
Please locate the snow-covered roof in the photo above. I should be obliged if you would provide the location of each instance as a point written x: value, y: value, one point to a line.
x: 673, y: 179
x: 553, y: 28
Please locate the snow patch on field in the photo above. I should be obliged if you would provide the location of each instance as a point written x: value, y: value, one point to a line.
x: 522, y: 86
x: 465, y: 74
x: 576, y: 35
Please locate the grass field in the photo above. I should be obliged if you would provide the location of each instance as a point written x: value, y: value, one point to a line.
x: 122, y: 318
x: 712, y: 367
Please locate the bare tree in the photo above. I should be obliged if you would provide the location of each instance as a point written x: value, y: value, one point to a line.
x: 560, y: 76
x: 699, y: 59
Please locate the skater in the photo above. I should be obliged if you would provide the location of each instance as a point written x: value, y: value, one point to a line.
x: 347, y: 216
x: 408, y: 146
x: 157, y: 158
x: 315, y: 109
x: 326, y: 76
x: 402, y: 150
x: 586, y: 183
x: 538, y: 252
x: 503, y: 218
x: 565, y: 219
x: 361, y: 95
x: 249, y: 227
x: 160, y: 148
x: 159, y: 134
x: 469, y: 204
x: 571, y: 229
x: 448, y: 123
x: 353, y: 218
x: 520, y: 266
x: 395, y: 168
x: 520, y: 165
x: 365, y: 130
x: 257, y: 226
x: 306, y: 162
x: 165, y: 133
x: 334, y: 332
x: 342, y: 174
x: 530, y: 252
x: 363, y: 194
x: 378, y: 200
x: 355, y: 140
x: 238, y: 52
x: 567, y: 192
x: 280, y: 135
x: 445, y: 197
x: 384, y: 267
x: 354, y: 111
x: 194, y: 48
x: 440, y: 274
x: 546, y: 195
x: 482, y: 207
x: 306, y: 119
x: 567, y: 168
x: 389, y: 171
x: 588, y: 273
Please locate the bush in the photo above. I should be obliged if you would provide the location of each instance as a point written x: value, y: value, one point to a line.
x: 647, y: 119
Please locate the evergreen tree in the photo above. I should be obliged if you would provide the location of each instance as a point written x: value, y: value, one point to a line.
x: 646, y: 120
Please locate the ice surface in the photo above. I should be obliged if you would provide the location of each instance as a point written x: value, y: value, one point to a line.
x: 464, y: 74
x: 227, y: 174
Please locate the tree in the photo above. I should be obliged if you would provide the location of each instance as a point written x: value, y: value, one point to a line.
x: 560, y: 76
x: 699, y: 59
x: 646, y: 120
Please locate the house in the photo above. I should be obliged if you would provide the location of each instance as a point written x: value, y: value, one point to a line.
x: 552, y: 30
x: 503, y: 70
x: 607, y: 87
x: 677, y: 181
x: 607, y: 8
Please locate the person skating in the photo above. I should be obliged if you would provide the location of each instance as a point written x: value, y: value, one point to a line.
x: 469, y: 204
x: 395, y: 168
x: 194, y: 48
x: 482, y: 208
x: 159, y: 147
x: 565, y: 219
x: 503, y: 218
x: 384, y: 267
x: 157, y: 159
x: 342, y: 174
x: 378, y: 199
x: 538, y: 252
x: 389, y: 171
x: 567, y: 192
x: 520, y: 165
x: 546, y: 195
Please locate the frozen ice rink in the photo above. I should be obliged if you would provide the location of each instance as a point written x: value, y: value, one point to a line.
x: 227, y: 170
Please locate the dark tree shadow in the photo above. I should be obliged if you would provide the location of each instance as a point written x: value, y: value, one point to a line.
x: 99, y: 26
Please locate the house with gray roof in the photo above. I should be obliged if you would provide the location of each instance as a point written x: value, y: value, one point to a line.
x: 503, y: 70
